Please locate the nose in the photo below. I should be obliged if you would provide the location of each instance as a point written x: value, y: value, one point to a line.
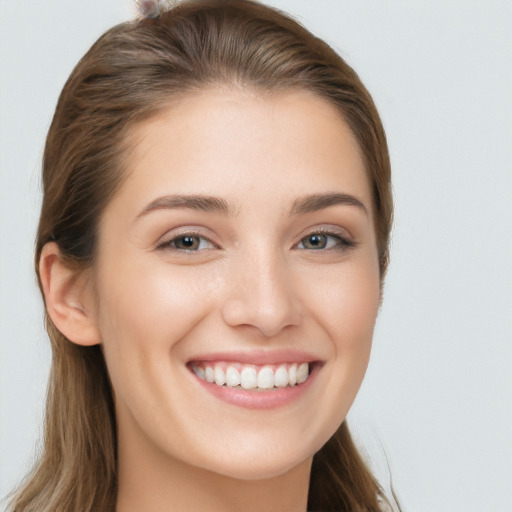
x: 261, y: 294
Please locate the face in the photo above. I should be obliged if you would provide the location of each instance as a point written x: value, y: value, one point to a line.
x: 237, y: 282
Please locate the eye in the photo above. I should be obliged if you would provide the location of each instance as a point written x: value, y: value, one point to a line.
x: 326, y: 241
x: 189, y: 242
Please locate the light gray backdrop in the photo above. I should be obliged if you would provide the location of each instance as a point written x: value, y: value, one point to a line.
x: 438, y: 393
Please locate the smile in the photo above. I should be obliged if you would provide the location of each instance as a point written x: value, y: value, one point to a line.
x: 251, y: 376
x: 256, y: 380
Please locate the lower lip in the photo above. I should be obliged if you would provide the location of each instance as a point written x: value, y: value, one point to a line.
x: 270, y: 399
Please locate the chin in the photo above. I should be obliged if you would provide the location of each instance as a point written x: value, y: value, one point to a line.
x: 260, y: 459
x: 263, y: 469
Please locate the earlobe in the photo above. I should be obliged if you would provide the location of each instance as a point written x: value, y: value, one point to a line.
x: 68, y: 297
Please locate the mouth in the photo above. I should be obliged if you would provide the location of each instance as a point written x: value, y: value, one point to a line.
x: 255, y: 385
x: 250, y: 376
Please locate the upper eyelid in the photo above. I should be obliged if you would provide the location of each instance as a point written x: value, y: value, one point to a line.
x: 330, y: 230
x: 169, y: 237
x: 336, y: 236
x: 180, y: 231
x: 345, y: 239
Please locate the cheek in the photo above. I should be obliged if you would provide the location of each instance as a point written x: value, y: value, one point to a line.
x: 354, y: 322
x: 143, y: 315
x: 346, y: 309
x: 347, y: 303
x: 153, y: 298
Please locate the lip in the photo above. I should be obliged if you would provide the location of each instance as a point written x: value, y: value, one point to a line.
x: 258, y: 399
x: 257, y: 357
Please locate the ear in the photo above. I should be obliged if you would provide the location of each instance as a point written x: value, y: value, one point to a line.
x: 69, y: 297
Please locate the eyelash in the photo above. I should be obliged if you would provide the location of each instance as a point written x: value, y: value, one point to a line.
x: 341, y: 243
x: 170, y: 244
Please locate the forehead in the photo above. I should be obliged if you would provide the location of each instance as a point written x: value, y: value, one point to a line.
x: 245, y: 145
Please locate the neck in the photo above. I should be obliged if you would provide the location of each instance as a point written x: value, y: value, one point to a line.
x: 156, y: 482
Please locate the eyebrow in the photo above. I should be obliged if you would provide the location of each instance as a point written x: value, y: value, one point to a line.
x: 315, y: 202
x: 302, y: 205
x: 193, y: 202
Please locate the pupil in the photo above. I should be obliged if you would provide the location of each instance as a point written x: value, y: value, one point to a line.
x: 316, y: 241
x: 188, y: 242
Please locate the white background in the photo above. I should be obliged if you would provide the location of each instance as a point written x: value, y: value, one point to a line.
x: 438, y: 392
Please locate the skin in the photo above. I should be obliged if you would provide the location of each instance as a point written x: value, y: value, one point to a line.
x: 253, y: 284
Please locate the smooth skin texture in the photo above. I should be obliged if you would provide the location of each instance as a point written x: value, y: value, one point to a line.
x: 250, y: 271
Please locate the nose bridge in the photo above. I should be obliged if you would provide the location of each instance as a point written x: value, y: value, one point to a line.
x: 262, y: 293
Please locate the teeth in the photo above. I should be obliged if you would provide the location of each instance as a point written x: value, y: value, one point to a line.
x: 292, y: 374
x: 281, y: 377
x: 249, y: 377
x: 220, y: 376
x: 199, y: 372
x: 232, y: 377
x: 302, y: 373
x: 209, y: 375
x: 266, y: 378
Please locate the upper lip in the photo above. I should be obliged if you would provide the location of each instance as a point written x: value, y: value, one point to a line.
x: 257, y: 357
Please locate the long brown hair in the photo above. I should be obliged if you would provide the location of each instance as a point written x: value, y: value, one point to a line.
x: 127, y: 76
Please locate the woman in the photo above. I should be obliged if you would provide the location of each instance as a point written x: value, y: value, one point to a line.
x: 211, y: 249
